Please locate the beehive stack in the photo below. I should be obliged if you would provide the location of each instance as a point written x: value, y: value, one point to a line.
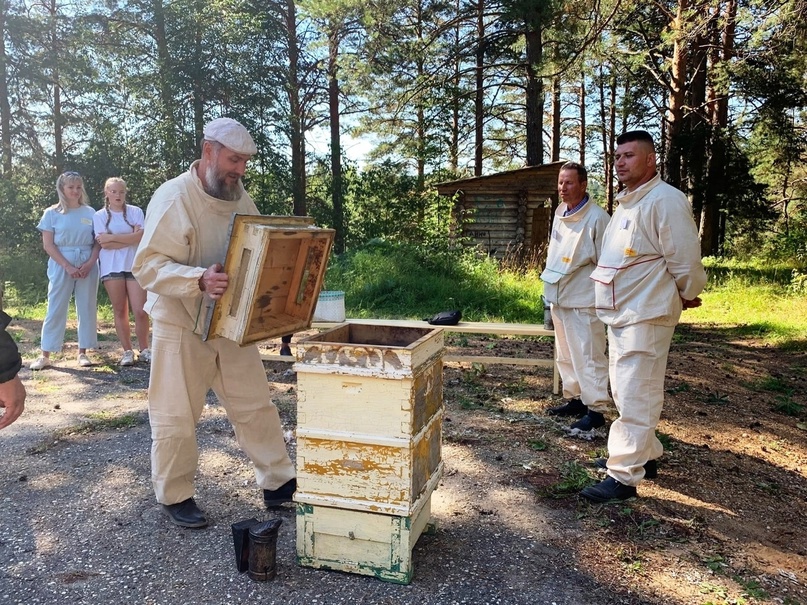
x: 369, y: 428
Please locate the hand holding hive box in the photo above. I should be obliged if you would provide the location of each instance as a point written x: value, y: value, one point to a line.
x: 276, y: 265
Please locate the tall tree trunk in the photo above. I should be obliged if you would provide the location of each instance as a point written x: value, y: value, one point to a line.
x: 58, y: 119
x: 677, y: 99
x: 556, y: 117
x: 712, y: 223
x: 165, y: 72
x: 697, y: 127
x: 535, y: 98
x: 479, y: 99
x: 454, y: 144
x: 336, y: 144
x: 5, y: 107
x: 295, y: 114
x: 198, y: 100
x: 582, y: 139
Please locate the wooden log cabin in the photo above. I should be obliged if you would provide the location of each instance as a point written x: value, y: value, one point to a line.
x: 507, y: 214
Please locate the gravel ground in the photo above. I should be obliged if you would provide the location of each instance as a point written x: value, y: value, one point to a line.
x: 80, y: 524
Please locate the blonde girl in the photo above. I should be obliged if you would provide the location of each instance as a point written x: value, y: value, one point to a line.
x: 67, y: 237
x: 118, y: 230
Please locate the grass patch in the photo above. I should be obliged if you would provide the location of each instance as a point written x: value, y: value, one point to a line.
x: 769, y: 383
x: 574, y: 477
x: 753, y: 303
x: 97, y: 422
x: 785, y: 405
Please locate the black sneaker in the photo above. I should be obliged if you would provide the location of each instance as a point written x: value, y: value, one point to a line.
x: 186, y: 514
x: 281, y: 495
x: 650, y: 467
x: 574, y: 407
x: 589, y: 422
x: 609, y: 490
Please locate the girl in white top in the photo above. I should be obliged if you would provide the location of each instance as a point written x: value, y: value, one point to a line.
x: 118, y: 229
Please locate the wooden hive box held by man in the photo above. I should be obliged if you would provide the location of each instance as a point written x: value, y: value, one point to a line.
x: 276, y: 266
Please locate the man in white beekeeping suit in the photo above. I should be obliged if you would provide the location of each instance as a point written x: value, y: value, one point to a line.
x: 178, y: 262
x: 649, y: 270
x: 577, y: 231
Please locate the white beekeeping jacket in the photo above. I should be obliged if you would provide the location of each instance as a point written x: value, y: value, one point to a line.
x: 186, y: 231
x: 573, y: 251
x: 650, y: 258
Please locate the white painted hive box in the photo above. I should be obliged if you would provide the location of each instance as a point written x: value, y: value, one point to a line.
x: 369, y: 417
x: 360, y: 542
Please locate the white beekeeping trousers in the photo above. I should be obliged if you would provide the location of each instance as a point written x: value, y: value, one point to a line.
x: 637, y: 364
x: 183, y: 369
x: 580, y: 345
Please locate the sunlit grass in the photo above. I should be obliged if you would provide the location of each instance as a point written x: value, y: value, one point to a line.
x: 762, y: 311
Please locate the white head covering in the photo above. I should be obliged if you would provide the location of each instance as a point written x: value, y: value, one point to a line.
x: 231, y: 134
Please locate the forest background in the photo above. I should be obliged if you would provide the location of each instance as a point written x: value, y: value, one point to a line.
x: 435, y: 90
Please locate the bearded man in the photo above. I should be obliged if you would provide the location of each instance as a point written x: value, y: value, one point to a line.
x: 178, y: 264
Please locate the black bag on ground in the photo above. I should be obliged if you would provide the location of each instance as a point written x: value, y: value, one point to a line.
x: 445, y: 318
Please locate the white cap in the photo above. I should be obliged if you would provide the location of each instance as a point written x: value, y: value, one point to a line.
x: 231, y: 134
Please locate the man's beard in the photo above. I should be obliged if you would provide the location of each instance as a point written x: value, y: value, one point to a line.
x: 216, y: 186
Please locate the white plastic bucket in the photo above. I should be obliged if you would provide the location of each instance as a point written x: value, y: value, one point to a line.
x: 330, y: 306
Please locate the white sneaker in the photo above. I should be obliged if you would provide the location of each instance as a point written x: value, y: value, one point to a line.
x: 41, y: 362
x: 128, y: 358
x: 84, y: 361
x: 145, y: 355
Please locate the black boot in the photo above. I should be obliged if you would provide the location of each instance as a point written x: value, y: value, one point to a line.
x: 186, y: 514
x: 591, y: 421
x: 608, y: 490
x: 574, y: 407
x: 281, y: 495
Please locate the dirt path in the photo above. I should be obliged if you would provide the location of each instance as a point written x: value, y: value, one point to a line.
x: 725, y: 522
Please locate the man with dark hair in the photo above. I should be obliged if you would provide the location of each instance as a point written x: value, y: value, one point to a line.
x: 574, y: 247
x: 649, y: 270
x: 178, y: 264
x: 12, y: 391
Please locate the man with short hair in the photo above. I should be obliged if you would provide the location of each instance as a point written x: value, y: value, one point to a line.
x: 12, y: 391
x: 649, y: 270
x: 574, y: 246
x: 178, y: 262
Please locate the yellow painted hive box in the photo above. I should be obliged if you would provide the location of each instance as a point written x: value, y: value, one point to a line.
x: 360, y: 542
x: 369, y: 417
x: 276, y: 266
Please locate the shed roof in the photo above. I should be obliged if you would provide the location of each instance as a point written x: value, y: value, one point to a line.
x: 539, y: 179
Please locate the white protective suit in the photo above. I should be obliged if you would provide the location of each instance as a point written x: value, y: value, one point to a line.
x: 185, y: 232
x: 579, y: 335
x: 650, y: 261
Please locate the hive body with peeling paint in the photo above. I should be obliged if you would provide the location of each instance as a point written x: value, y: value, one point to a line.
x: 369, y: 429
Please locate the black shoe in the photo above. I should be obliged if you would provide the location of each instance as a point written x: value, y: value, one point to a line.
x: 608, y: 490
x: 285, y: 350
x: 574, y: 407
x: 591, y: 421
x: 281, y: 495
x: 650, y: 467
x: 186, y: 514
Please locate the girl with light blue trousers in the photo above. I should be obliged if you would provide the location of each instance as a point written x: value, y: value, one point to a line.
x: 68, y: 238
